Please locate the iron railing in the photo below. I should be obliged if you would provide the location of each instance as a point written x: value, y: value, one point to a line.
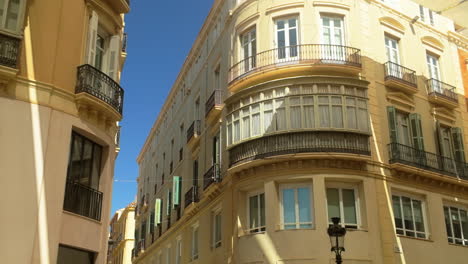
x: 214, y: 100
x: 9, y: 51
x: 300, y: 54
x: 82, y: 200
x: 400, y: 73
x: 300, y: 142
x: 101, y: 86
x: 124, y: 42
x: 436, y: 87
x: 403, y: 154
x: 211, y: 176
x: 191, y: 196
x: 194, y: 130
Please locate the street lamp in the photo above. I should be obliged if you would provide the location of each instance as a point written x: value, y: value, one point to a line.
x: 336, y: 233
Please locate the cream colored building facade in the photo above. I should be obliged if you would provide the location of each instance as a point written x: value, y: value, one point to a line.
x: 60, y: 103
x: 122, y: 236
x: 287, y: 113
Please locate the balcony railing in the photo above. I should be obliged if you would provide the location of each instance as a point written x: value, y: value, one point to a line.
x: 211, y: 176
x: 99, y: 85
x: 9, y: 51
x: 436, y: 87
x: 300, y: 142
x: 214, y: 100
x: 426, y: 160
x: 300, y: 54
x: 191, y: 196
x: 82, y: 200
x: 194, y: 130
x: 400, y: 73
x: 124, y: 41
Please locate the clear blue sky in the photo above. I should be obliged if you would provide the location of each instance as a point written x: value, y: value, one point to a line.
x: 160, y: 35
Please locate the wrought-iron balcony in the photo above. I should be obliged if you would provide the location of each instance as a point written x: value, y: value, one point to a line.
x: 421, y: 159
x: 9, y: 51
x: 400, y: 77
x: 124, y: 41
x: 214, y: 105
x: 300, y: 142
x: 211, y: 176
x: 82, y: 200
x: 191, y: 196
x: 96, y: 83
x: 442, y: 93
x: 307, y: 54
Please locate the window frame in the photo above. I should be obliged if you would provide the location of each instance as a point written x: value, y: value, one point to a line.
x: 412, y: 197
x: 214, y: 243
x: 20, y: 19
x: 296, y: 186
x: 459, y: 207
x: 357, y: 202
x: 194, y: 254
x: 259, y: 228
x: 178, y: 250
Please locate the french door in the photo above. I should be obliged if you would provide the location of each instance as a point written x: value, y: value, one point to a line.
x: 333, y: 39
x: 434, y: 73
x: 287, y: 39
x: 393, y: 56
x: 249, y: 50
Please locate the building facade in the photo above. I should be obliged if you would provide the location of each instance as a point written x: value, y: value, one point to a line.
x: 122, y: 236
x: 60, y: 103
x: 288, y: 113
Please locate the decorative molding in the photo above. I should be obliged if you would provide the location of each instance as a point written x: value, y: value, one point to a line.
x: 401, y: 100
x: 444, y: 115
x: 392, y: 24
x: 330, y: 4
x: 432, y: 42
x: 458, y: 39
x: 284, y: 6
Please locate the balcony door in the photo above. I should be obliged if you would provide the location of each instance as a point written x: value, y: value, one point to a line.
x: 249, y: 50
x: 393, y: 56
x: 434, y: 72
x: 287, y: 39
x: 333, y: 39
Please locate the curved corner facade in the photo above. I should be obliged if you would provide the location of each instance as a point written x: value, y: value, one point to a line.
x: 288, y: 113
x: 60, y: 104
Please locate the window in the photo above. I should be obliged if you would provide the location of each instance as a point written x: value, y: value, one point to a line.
x: 168, y: 254
x: 217, y: 228
x: 178, y: 255
x: 343, y: 202
x: 333, y: 38
x: 409, y: 216
x: 406, y: 129
x: 287, y: 38
x: 10, y: 14
x: 296, y: 206
x: 217, y: 79
x: 249, y: 50
x: 194, y: 255
x: 451, y: 143
x: 216, y: 154
x: 433, y: 66
x: 160, y: 258
x: 456, y: 223
x: 195, y: 173
x: 256, y: 205
x: 427, y: 16
x: 68, y: 255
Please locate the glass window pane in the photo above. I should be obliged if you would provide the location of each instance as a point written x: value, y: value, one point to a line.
x: 455, y: 222
x: 12, y: 15
x: 333, y: 201
x: 447, y: 221
x: 303, y: 196
x: 96, y: 171
x: 262, y: 209
x: 397, y: 212
x: 418, y: 215
x: 86, y: 163
x: 295, y: 117
x: 349, y: 204
x: 464, y: 225
x: 289, y: 208
x: 407, y: 213
x: 253, y: 211
x: 75, y: 162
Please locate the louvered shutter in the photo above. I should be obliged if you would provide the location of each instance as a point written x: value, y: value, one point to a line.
x: 416, y: 131
x: 92, y: 36
x: 114, y: 48
x: 458, y: 148
x: 176, y: 186
x: 392, y: 124
x: 158, y: 211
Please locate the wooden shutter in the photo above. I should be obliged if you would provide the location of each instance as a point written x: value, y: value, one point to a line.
x: 176, y: 186
x: 392, y: 124
x: 458, y: 148
x: 114, y: 48
x: 168, y: 201
x: 92, y: 36
x: 158, y: 211
x: 416, y: 131
x: 440, y: 140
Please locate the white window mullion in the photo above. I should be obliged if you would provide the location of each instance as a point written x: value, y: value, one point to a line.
x: 402, y: 214
x: 340, y: 198
x: 296, y: 207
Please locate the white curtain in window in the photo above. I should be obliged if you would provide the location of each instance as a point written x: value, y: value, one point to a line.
x: 324, y: 111
x: 351, y: 117
x: 245, y: 123
x: 256, y: 119
x: 337, y: 112
x: 280, y: 115
x: 268, y: 116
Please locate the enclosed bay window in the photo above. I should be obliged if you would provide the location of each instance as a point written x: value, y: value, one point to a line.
x: 409, y: 216
x: 456, y: 223
x: 256, y: 212
x: 343, y: 202
x: 296, y: 203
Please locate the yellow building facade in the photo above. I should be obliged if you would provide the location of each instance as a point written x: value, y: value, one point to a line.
x: 122, y: 236
x: 60, y: 103
x: 288, y: 113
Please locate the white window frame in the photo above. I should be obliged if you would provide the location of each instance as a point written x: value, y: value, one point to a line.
x: 343, y: 29
x: 178, y: 250
x: 357, y: 202
x: 251, y: 35
x: 420, y: 198
x: 216, y: 244
x: 19, y: 21
x: 260, y: 229
x: 195, y: 240
x: 286, y: 35
x: 295, y: 186
x: 464, y: 240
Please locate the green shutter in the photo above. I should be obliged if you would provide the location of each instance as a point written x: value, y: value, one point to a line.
x: 176, y: 185
x: 416, y: 131
x: 392, y: 124
x: 440, y: 140
x: 158, y: 211
x: 458, y: 148
x: 168, y: 201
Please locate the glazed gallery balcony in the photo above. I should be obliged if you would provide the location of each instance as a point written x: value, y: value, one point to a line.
x: 308, y: 54
x: 402, y: 154
x: 82, y: 200
x: 100, y: 86
x: 300, y: 142
x: 397, y: 76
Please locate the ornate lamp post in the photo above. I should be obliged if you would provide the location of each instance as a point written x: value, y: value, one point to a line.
x: 336, y: 233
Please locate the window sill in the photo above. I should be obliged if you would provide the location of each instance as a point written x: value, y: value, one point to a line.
x: 458, y: 245
x: 416, y: 238
x: 248, y: 234
x: 295, y: 229
x: 18, y: 35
